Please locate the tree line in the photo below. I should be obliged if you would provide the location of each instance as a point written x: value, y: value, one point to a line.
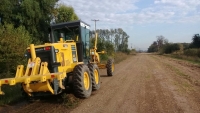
x: 162, y: 46
x: 112, y: 40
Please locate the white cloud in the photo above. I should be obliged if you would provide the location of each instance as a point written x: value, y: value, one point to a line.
x: 179, y: 3
x: 110, y: 11
x: 126, y: 12
x: 130, y: 13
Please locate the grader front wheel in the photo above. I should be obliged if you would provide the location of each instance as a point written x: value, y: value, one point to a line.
x: 82, y: 85
x: 110, y: 67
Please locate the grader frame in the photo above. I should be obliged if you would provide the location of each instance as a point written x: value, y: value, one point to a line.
x: 65, y: 66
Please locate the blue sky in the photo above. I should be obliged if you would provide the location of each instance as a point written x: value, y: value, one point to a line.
x: 143, y: 20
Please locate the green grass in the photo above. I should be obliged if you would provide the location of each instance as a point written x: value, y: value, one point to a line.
x: 70, y: 101
x: 177, y: 71
x: 12, y: 94
x: 119, y: 56
x: 184, y: 86
x: 193, y: 60
x: 185, y: 76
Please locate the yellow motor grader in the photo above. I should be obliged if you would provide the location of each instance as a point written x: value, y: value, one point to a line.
x: 66, y: 61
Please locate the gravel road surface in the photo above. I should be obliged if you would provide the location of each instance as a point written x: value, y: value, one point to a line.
x: 144, y: 83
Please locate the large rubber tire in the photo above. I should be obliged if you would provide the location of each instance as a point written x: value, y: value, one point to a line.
x: 82, y: 85
x: 94, y: 72
x: 110, y: 67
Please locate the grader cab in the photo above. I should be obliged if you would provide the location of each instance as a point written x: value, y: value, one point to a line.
x: 65, y: 62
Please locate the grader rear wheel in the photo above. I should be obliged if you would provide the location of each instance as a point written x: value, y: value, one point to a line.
x: 110, y: 67
x: 94, y: 72
x: 82, y: 85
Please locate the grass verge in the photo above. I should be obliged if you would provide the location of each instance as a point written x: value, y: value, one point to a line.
x: 180, y: 73
x: 119, y: 56
x: 185, y: 76
x: 12, y: 94
x: 194, y: 60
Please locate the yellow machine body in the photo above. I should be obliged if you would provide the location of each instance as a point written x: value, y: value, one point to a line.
x: 37, y: 77
x: 52, y: 64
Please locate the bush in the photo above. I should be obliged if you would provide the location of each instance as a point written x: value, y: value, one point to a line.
x: 192, y: 52
x: 103, y: 57
x: 12, y: 94
x: 13, y: 43
x: 127, y: 51
x: 169, y: 48
x: 120, y: 56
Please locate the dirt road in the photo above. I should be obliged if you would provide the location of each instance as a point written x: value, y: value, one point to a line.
x: 141, y: 84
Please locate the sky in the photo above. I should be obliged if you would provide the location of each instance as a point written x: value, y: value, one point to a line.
x: 143, y: 20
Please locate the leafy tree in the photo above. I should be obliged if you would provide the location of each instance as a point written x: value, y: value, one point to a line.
x: 100, y: 41
x: 163, y: 46
x: 109, y: 48
x: 13, y: 43
x: 8, y: 9
x: 153, y: 47
x: 117, y: 37
x: 161, y: 41
x: 111, y: 40
x: 65, y: 14
x: 195, y: 41
x: 34, y: 15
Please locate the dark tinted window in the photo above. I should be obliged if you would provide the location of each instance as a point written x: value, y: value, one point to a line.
x: 69, y: 33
